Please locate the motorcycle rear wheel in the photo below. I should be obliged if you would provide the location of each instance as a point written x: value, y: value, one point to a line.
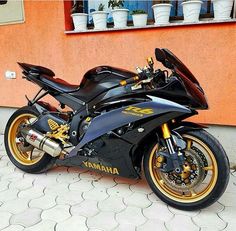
x: 22, y: 155
x: 204, y: 177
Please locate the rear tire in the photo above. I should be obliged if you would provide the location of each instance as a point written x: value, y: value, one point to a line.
x: 215, y: 167
x: 19, y: 152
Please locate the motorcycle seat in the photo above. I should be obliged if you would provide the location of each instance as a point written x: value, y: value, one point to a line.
x: 33, y: 69
x: 59, y: 84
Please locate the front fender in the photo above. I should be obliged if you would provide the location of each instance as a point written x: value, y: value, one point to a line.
x: 185, y: 126
x: 114, y: 119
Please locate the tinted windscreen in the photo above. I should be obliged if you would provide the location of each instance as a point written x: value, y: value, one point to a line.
x: 179, y: 65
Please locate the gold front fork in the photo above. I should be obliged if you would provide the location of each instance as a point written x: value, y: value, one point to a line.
x: 166, y: 131
x: 167, y: 136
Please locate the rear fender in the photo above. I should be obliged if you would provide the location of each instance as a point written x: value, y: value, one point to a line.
x: 42, y: 106
x: 114, y: 119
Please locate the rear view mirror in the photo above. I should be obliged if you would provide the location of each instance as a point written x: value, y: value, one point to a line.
x: 160, y: 55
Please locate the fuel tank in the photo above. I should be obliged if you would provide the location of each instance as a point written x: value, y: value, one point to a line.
x: 100, y: 79
x: 105, y: 76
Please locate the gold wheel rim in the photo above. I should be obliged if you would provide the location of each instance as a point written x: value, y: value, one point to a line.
x: 174, y: 195
x: 23, y: 157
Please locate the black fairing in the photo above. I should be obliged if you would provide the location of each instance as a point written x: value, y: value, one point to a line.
x: 100, y: 79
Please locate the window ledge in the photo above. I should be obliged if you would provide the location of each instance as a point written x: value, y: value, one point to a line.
x: 171, y: 24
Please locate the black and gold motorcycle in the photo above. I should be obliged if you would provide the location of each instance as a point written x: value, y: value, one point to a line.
x: 119, y: 123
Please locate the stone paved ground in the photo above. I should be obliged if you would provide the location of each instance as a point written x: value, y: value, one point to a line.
x: 73, y: 199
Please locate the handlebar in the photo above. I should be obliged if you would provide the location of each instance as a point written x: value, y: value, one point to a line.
x: 129, y: 81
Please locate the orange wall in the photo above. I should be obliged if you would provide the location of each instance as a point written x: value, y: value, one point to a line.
x: 208, y: 50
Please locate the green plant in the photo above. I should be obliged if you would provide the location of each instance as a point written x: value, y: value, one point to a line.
x: 77, y: 8
x: 101, y: 7
x: 115, y: 3
x: 138, y: 12
x: 163, y: 1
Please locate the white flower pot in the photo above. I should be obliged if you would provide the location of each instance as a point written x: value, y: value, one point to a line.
x: 161, y: 13
x: 191, y: 10
x: 140, y: 19
x: 80, y: 21
x: 222, y: 9
x: 99, y: 19
x: 120, y: 17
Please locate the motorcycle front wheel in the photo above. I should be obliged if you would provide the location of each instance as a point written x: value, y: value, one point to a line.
x: 204, y: 177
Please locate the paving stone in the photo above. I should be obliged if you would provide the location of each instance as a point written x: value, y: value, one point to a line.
x: 15, y: 206
x: 45, y: 181
x: 158, y: 211
x: 215, y: 208
x: 9, y: 194
x: 57, y: 189
x: 208, y: 219
x: 70, y: 198
x: 57, y: 170
x: 44, y: 202
x: 230, y: 227
x: 104, y: 182
x: 96, y: 230
x: 2, y: 147
x: 81, y: 186
x: 103, y: 220
x: 13, y: 177
x: 4, y: 185
x: 27, y: 218
x: 68, y: 177
x: 4, y: 171
x: 142, y: 186
x: 5, y: 217
x: 126, y: 227
x: 5, y: 157
x: 153, y: 197
x: 97, y: 194
x: 87, y: 208
x: 228, y: 215
x: 74, y: 223
x: 32, y: 193
x: 136, y: 199
x: 3, y: 163
x: 22, y: 184
x: 123, y: 180
x: 90, y: 175
x: 231, y: 188
x: 131, y: 215
x: 152, y: 225
x: 112, y: 204
x: 182, y: 212
x: 14, y: 228
x: 58, y: 213
x: 121, y: 190
x: 181, y: 221
x: 44, y: 225
x: 228, y: 199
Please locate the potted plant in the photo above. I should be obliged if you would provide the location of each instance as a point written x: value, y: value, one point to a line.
x: 79, y: 17
x: 162, y: 12
x: 191, y: 10
x: 100, y: 18
x: 222, y: 9
x: 139, y: 17
x: 119, y: 14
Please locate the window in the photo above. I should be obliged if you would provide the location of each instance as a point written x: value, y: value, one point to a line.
x: 176, y: 10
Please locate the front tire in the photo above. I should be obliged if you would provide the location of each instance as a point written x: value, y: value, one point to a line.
x: 204, y: 177
x: 21, y: 154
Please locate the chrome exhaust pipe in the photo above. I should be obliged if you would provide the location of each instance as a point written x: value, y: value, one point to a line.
x: 42, y: 142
